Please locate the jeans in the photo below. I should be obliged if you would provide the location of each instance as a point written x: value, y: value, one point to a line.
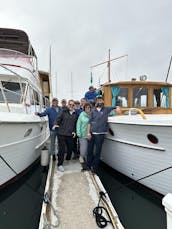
x: 53, y: 136
x: 93, y: 158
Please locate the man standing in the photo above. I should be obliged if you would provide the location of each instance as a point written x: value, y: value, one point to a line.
x: 52, y: 113
x: 66, y: 125
x: 97, y: 128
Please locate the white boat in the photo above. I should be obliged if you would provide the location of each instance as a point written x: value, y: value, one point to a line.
x: 139, y: 143
x: 22, y: 132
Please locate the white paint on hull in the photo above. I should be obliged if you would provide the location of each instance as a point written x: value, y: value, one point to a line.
x: 130, y: 152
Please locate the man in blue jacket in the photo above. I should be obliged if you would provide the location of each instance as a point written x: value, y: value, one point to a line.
x: 52, y: 113
x: 90, y: 95
x: 97, y: 128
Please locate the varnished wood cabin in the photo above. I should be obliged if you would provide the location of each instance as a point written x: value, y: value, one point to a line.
x: 150, y: 97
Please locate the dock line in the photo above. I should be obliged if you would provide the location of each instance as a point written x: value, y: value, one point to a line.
x: 98, y: 212
x: 106, y: 201
x: 142, y: 178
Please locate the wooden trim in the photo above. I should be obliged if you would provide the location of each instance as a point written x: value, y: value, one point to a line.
x: 150, y: 97
x: 130, y: 97
x: 107, y: 96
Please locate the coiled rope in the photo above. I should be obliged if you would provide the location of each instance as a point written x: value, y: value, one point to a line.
x: 99, y: 211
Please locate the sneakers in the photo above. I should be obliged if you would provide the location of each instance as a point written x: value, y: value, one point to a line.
x: 81, y: 159
x: 61, y: 168
x: 85, y: 168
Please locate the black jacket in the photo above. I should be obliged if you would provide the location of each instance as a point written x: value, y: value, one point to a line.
x: 66, y: 122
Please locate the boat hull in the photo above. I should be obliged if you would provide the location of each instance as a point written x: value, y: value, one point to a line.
x: 20, y: 146
x: 131, y: 152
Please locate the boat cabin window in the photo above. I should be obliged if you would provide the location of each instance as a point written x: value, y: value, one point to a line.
x: 29, y: 100
x: 36, y: 98
x: 122, y: 98
x: 140, y: 97
x: 161, y: 97
x: 12, y: 91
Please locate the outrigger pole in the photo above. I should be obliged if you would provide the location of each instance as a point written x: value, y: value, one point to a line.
x: 168, y: 69
x: 108, y: 64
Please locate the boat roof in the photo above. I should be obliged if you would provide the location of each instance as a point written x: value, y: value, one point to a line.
x: 138, y: 83
x: 17, y: 40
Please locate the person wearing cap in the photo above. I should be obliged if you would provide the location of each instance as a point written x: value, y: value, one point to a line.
x: 96, y: 130
x: 83, y: 102
x: 52, y: 113
x: 91, y: 94
x: 64, y: 104
x: 77, y: 107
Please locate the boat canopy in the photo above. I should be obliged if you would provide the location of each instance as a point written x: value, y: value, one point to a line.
x: 17, y: 40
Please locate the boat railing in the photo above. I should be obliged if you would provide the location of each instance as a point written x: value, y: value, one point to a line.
x: 134, y: 110
x: 19, y: 60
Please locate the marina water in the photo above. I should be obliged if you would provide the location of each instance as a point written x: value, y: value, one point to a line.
x: 137, y: 207
x: 21, y: 202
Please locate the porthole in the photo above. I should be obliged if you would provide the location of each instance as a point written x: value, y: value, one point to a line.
x: 28, y: 132
x: 152, y: 138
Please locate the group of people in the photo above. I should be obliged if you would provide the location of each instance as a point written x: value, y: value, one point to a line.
x: 79, y: 126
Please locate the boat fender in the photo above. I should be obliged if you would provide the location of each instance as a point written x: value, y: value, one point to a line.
x: 44, y: 157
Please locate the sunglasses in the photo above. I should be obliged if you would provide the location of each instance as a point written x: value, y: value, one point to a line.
x: 71, y: 104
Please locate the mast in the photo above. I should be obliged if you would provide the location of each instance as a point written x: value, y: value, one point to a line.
x: 50, y: 77
x: 109, y: 80
x: 71, y: 85
x: 168, y: 69
x: 108, y: 62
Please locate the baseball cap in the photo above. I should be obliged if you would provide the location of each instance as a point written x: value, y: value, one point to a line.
x: 54, y: 99
x: 99, y: 97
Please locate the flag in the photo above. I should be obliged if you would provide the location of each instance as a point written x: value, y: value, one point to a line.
x: 91, y: 79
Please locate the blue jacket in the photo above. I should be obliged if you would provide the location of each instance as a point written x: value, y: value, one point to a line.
x: 90, y: 95
x: 98, y: 119
x: 52, y: 115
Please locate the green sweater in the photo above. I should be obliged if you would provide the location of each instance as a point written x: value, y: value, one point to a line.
x: 81, y: 126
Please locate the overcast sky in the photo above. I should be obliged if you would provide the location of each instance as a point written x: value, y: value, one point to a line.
x: 80, y: 33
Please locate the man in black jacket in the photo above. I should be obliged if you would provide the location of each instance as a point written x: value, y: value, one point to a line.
x: 66, y: 124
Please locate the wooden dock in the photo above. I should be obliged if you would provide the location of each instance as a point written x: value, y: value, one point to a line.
x: 70, y: 198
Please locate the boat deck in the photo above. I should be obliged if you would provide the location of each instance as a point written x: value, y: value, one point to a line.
x: 73, y: 196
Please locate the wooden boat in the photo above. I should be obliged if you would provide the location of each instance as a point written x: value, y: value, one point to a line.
x: 139, y: 143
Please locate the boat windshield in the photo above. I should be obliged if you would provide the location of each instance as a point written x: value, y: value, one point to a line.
x: 5, y: 53
x: 160, y: 98
x: 17, y: 58
x: 140, y: 97
x: 12, y: 92
x: 122, y: 98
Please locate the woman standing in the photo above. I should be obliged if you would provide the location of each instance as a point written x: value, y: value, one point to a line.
x: 81, y: 130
